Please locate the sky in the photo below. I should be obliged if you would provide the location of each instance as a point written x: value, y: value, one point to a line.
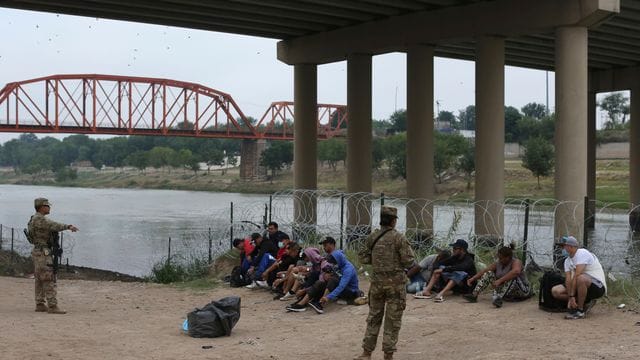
x: 39, y: 44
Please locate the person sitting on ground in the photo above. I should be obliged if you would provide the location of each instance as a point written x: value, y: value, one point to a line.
x: 328, y: 245
x: 273, y: 233
x: 262, y: 256
x: 584, y: 279
x: 341, y: 286
x: 506, y: 276
x: 420, y: 273
x: 304, y: 276
x: 453, y: 271
x: 245, y: 259
x: 282, y: 246
x: 279, y: 269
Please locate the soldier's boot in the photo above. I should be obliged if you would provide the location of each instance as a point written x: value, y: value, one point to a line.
x: 366, y: 355
x: 55, y: 310
x: 41, y: 308
x: 388, y: 356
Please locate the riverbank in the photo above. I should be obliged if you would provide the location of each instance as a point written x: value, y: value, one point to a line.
x: 612, y: 181
x: 111, y: 320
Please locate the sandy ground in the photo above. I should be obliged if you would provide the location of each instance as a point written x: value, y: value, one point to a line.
x: 116, y: 320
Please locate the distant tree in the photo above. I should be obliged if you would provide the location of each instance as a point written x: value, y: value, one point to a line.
x: 332, y: 151
x: 617, y: 107
x: 447, y: 149
x: 377, y: 154
x: 66, y: 173
x: 138, y: 160
x: 538, y: 157
x: 467, y: 118
x: 213, y: 157
x: 447, y: 117
x: 398, y: 121
x: 511, y: 117
x: 534, y: 110
x: 38, y: 164
x: 395, y: 148
x: 159, y: 156
x: 466, y: 164
x: 380, y: 127
x: 278, y: 155
x: 232, y: 160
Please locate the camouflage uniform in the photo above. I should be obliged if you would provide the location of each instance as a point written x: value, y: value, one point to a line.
x: 389, y: 257
x: 40, y: 229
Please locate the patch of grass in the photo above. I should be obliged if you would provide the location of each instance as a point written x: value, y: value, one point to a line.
x: 167, y: 272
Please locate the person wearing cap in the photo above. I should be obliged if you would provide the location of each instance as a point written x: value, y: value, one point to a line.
x: 389, y: 254
x: 584, y: 279
x: 453, y: 271
x: 40, y: 228
x: 328, y: 244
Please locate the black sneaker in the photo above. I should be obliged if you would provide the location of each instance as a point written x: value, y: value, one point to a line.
x: 470, y: 297
x: 575, y: 315
x: 297, y: 307
x: 317, y: 307
x: 497, y: 302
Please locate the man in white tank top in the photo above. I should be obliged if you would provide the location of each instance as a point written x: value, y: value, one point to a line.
x: 585, y: 280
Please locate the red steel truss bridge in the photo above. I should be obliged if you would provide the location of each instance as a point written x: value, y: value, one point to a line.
x: 124, y: 105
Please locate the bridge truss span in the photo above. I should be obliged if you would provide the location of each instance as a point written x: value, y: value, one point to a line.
x: 123, y: 105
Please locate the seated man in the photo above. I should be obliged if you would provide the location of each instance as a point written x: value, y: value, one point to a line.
x: 585, y: 280
x: 328, y: 244
x: 282, y: 246
x: 420, y: 274
x: 453, y: 271
x: 279, y: 269
x: 262, y: 256
x: 333, y: 286
x: 506, y: 276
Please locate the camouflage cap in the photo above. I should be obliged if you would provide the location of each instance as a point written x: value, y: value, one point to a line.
x: 41, y: 202
x: 389, y: 210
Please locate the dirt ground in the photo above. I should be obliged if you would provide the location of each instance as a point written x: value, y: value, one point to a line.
x: 118, y: 320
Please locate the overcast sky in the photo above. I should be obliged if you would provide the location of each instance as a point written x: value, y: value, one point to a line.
x: 39, y: 44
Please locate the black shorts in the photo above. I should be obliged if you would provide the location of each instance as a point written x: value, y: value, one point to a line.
x: 594, y: 292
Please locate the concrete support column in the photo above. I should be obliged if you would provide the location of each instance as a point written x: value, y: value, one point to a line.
x: 305, y: 146
x: 591, y: 160
x: 571, y: 130
x: 489, y: 158
x: 634, y: 159
x: 420, y: 140
x: 359, y: 143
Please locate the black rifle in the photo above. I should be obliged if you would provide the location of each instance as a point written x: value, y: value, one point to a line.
x: 56, y: 251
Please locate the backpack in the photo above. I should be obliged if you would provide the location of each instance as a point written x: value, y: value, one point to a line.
x: 546, y: 301
x: 237, y: 278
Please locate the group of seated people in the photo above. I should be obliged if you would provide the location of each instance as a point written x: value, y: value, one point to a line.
x: 455, y: 272
x: 273, y: 261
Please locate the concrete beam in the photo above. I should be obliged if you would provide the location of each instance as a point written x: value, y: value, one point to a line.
x: 615, y: 79
x: 505, y: 18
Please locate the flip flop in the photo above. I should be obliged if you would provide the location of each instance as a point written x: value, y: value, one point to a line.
x: 420, y: 296
x: 438, y: 299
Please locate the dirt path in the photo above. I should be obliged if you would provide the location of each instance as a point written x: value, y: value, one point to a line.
x: 115, y: 320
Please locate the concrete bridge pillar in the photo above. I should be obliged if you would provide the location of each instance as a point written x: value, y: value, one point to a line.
x: 250, y: 152
x: 420, y: 140
x: 359, y: 143
x: 489, y: 186
x: 634, y: 159
x: 305, y: 146
x: 571, y: 129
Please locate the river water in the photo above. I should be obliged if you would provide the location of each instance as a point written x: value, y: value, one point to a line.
x: 128, y: 230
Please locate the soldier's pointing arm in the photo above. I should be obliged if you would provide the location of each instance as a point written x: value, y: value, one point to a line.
x: 56, y: 226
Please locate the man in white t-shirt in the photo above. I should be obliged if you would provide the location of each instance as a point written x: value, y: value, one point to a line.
x: 585, y: 280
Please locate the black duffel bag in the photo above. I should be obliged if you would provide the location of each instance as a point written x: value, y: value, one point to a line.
x: 215, y: 319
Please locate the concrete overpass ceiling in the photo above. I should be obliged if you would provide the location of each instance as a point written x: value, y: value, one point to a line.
x: 614, y: 43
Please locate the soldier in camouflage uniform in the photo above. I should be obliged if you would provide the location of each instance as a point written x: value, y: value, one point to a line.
x: 40, y: 229
x: 389, y: 253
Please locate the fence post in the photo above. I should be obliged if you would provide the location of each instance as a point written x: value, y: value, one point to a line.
x: 264, y: 218
x: 381, y: 199
x: 525, y: 236
x: 169, y: 252
x: 231, y: 228
x: 0, y: 236
x: 585, y: 224
x: 270, y: 206
x: 210, y: 245
x: 12, y: 232
x: 341, y: 220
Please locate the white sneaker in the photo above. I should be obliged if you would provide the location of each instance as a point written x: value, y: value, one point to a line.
x: 341, y: 302
x: 287, y: 296
x: 253, y: 285
x: 262, y: 284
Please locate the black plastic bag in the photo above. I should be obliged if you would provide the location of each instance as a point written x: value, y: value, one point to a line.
x: 215, y: 319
